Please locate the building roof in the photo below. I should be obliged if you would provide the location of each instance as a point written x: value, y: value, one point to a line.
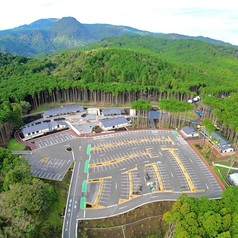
x: 56, y: 123
x: 189, y: 130
x: 67, y: 109
x: 112, y: 111
x: 154, y: 114
x: 234, y: 178
x: 217, y: 136
x: 34, y: 128
x: 114, y: 121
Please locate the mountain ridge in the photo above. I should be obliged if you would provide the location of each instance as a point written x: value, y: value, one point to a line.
x: 51, y: 34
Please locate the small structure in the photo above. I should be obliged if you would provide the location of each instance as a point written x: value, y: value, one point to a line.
x: 95, y: 111
x: 189, y: 131
x: 154, y: 115
x: 63, y: 110
x: 114, y: 123
x: 132, y: 112
x: 233, y: 178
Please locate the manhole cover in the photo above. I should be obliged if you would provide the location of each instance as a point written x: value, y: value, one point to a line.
x: 69, y: 149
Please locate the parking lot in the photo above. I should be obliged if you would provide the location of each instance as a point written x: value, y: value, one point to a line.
x: 148, y: 162
x: 53, y: 139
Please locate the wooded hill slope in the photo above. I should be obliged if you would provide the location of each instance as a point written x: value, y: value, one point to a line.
x: 122, y: 70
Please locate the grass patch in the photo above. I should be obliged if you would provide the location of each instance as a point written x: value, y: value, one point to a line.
x: 223, y: 163
x: 144, y: 221
x: 13, y: 144
x: 220, y: 175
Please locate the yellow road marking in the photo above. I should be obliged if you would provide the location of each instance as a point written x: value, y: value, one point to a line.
x: 45, y: 159
x: 117, y: 160
x: 130, y: 142
x: 190, y: 183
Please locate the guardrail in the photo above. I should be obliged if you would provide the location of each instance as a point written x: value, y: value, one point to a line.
x: 21, y: 152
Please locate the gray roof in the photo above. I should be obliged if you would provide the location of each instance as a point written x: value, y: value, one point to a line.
x: 217, y: 136
x: 189, y: 130
x: 35, y: 128
x: 114, y: 121
x: 67, y: 109
x: 111, y: 111
x: 154, y: 114
x: 55, y: 123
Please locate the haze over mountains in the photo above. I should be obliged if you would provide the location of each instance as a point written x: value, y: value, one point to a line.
x: 46, y: 35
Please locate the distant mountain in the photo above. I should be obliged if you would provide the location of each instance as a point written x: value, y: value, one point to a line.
x: 46, y: 35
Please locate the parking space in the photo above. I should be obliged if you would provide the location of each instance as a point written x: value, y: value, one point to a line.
x: 106, y: 192
x: 125, y: 187
x: 101, y: 162
x: 137, y: 184
x: 106, y: 146
x: 165, y: 178
x: 178, y: 171
x: 53, y: 139
x: 50, y: 168
x: 151, y: 177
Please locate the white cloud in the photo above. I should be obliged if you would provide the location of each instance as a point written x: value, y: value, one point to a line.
x: 216, y: 19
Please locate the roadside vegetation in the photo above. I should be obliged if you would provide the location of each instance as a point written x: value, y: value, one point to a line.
x: 13, y: 144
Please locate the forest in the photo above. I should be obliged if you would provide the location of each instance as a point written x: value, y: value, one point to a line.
x: 119, y: 71
x: 24, y: 200
x: 201, y: 217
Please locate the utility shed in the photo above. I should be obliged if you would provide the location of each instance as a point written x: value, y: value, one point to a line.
x: 233, y: 178
x: 189, y: 131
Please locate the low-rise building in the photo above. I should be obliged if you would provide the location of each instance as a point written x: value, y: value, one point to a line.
x: 114, y: 123
x: 189, y: 131
x: 219, y: 141
x: 36, y: 130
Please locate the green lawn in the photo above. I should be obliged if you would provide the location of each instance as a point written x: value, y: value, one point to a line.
x: 13, y: 144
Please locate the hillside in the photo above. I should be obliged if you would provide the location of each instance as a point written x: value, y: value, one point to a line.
x: 124, y: 69
x: 47, y: 35
x: 216, y: 62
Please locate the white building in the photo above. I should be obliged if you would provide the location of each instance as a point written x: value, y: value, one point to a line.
x: 36, y: 130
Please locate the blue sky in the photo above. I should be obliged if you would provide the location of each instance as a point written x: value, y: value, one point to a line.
x: 215, y: 19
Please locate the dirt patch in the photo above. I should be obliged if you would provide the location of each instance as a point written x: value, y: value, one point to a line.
x: 140, y: 222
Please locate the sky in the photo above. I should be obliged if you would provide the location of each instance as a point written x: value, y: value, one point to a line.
x: 209, y: 18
